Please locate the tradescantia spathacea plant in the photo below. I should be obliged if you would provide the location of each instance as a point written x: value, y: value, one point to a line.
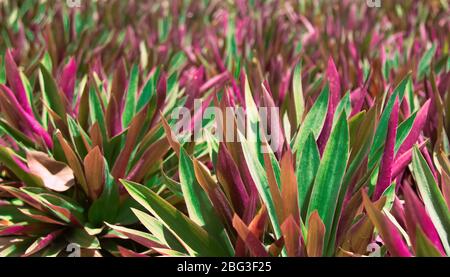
x: 70, y: 170
x: 355, y: 162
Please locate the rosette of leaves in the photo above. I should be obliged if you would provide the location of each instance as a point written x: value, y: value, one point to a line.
x: 306, y: 198
x: 346, y: 180
x: 65, y: 142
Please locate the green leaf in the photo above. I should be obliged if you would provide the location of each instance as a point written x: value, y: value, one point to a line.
x: 306, y: 172
x: 403, y: 130
x: 158, y: 229
x: 51, y: 93
x: 164, y: 25
x: 72, y: 161
x: 148, y: 91
x: 413, y: 106
x: 13, y: 214
x: 299, y: 101
x: 390, y: 196
x: 424, y: 247
x: 330, y: 173
x: 360, y: 146
x: 252, y: 120
x: 130, y: 102
x: 259, y: 176
x: 125, y: 215
x: 106, y: 207
x: 197, y: 202
x: 196, y: 240
x: 15, y: 249
x: 140, y: 237
x: 313, y: 122
x: 213, y: 145
x: 176, y: 62
x: 2, y: 71
x: 78, y: 137
x: 425, y: 61
x: 6, y: 158
x: 172, y: 185
x: 432, y: 197
x: 343, y: 106
x: 63, y: 207
x: 46, y: 62
x: 17, y: 135
x: 28, y: 91
x: 380, y: 133
x: 83, y: 239
x: 96, y: 111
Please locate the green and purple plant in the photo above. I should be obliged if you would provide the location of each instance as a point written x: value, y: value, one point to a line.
x: 355, y: 160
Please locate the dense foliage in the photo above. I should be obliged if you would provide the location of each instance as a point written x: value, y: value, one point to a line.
x: 89, y: 157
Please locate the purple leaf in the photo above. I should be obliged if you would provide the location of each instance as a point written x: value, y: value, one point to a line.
x: 15, y: 230
x: 385, y: 174
x: 193, y: 80
x: 67, y: 80
x: 334, y: 80
x: 27, y: 118
x: 416, y: 129
x: 14, y: 80
x: 335, y: 92
x: 428, y: 159
x: 217, y: 80
x: 276, y: 131
x: 115, y: 106
x: 389, y: 233
x: 42, y: 242
x: 161, y: 93
x: 416, y: 215
x: 401, y: 162
x: 357, y: 99
x: 251, y: 241
x: 228, y: 173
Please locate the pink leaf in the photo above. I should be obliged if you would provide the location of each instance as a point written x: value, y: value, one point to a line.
x: 41, y: 243
x: 335, y: 92
x: 416, y: 215
x: 28, y: 118
x: 14, y: 80
x: 416, y: 129
x: 385, y: 174
x: 67, y: 80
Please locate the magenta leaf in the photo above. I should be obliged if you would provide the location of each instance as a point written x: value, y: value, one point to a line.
x: 385, y: 174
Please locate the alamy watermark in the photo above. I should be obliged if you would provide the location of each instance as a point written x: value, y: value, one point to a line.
x: 73, y: 3
x: 228, y: 126
x: 74, y: 250
x: 373, y: 3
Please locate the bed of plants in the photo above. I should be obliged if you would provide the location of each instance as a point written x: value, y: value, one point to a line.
x: 354, y: 163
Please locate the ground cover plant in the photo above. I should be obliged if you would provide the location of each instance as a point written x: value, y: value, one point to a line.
x: 354, y: 161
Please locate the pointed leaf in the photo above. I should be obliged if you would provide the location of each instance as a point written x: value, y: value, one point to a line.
x: 131, y: 97
x: 194, y: 237
x: 391, y: 236
x: 313, y: 121
x: 250, y: 240
x: 306, y: 171
x: 330, y: 173
x: 316, y: 235
x: 94, y: 169
x: 52, y: 93
x: 385, y: 172
x: 432, y: 197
